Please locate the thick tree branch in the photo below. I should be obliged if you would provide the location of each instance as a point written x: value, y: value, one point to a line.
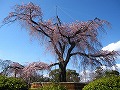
x: 69, y: 53
x: 53, y: 64
x: 62, y: 48
x: 41, y: 30
x: 97, y: 55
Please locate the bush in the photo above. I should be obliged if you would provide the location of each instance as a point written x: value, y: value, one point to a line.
x: 104, y: 83
x: 33, y: 89
x: 12, y: 83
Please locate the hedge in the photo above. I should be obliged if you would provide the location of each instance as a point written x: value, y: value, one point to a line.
x: 11, y: 83
x: 104, y: 83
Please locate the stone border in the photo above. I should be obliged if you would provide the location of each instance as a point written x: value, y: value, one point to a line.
x: 68, y: 85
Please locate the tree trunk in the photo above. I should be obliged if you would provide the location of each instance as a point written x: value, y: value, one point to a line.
x: 62, y: 75
x: 15, y: 74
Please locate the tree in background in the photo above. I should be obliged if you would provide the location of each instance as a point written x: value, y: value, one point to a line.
x: 16, y: 69
x: 54, y: 75
x: 71, y: 75
x: 100, y: 72
x: 67, y: 40
x: 10, y: 68
x: 111, y: 72
x: 31, y: 72
x: 4, y: 64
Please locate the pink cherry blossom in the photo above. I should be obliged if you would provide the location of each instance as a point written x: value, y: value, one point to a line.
x: 66, y: 40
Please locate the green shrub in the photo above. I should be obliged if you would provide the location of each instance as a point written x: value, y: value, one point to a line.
x: 33, y: 89
x: 12, y: 83
x: 104, y: 83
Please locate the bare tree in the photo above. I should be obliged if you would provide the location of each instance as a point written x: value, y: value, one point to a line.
x: 67, y: 40
x: 4, y: 64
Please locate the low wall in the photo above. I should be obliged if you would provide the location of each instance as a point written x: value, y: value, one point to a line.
x: 68, y: 85
x: 36, y: 85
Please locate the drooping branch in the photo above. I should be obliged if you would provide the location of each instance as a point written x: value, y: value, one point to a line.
x: 105, y: 56
x: 99, y: 54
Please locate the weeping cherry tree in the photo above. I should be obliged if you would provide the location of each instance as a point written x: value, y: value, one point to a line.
x: 67, y: 40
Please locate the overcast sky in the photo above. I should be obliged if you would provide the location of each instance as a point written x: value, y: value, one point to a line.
x: 18, y: 46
